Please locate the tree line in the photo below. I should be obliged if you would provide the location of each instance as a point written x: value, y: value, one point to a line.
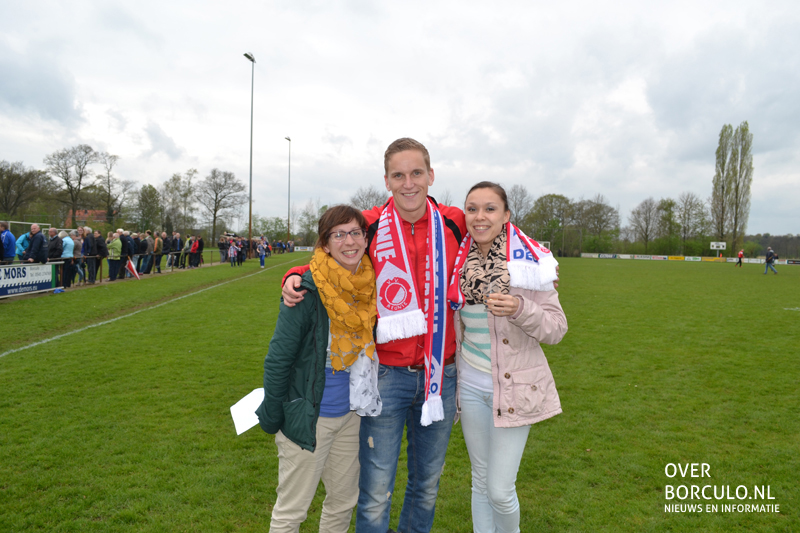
x: 80, y: 178
x: 79, y: 185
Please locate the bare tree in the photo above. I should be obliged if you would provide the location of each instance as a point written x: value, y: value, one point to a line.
x: 148, y: 208
x: 602, y: 216
x: 721, y: 184
x: 643, y: 220
x: 70, y: 167
x: 178, y: 196
x: 309, y: 221
x: 548, y: 216
x: 19, y: 186
x: 368, y: 197
x: 112, y: 191
x: 446, y: 198
x: 219, y: 193
x: 691, y: 217
x: 519, y: 202
x: 740, y: 170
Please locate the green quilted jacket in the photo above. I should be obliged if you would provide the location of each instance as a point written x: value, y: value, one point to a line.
x: 294, y: 369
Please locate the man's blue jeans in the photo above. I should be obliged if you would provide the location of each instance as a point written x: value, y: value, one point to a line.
x: 403, y: 393
x: 769, y: 265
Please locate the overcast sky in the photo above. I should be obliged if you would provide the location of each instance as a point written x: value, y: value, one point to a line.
x: 624, y: 99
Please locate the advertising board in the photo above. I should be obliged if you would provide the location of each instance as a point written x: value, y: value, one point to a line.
x: 676, y: 258
x: 21, y: 279
x: 607, y: 256
x: 642, y: 257
x: 694, y: 258
x: 658, y: 257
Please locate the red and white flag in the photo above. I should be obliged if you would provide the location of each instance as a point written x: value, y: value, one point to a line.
x: 132, y: 269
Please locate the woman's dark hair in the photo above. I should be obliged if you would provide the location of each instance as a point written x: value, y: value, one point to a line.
x: 338, y: 214
x: 497, y: 188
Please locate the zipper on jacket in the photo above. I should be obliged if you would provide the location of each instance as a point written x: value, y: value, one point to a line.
x: 314, y: 381
x: 412, y: 228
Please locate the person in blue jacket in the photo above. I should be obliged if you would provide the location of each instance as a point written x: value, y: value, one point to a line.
x: 9, y: 244
x: 23, y: 241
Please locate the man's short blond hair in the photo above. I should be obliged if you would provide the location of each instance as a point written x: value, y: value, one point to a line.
x: 401, y: 145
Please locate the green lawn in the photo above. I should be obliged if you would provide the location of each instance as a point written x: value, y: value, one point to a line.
x: 126, y: 426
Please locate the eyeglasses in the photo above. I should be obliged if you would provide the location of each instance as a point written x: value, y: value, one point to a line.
x: 339, y: 236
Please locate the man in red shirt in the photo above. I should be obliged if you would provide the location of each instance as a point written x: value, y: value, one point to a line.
x: 741, y: 255
x: 403, y: 380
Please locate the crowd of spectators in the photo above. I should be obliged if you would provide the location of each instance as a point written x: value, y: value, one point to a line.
x: 81, y: 251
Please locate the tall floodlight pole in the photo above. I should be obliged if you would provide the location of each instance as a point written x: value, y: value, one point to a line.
x: 252, y: 60
x: 289, y: 196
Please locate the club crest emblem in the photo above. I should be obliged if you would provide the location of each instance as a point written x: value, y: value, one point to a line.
x: 395, y: 294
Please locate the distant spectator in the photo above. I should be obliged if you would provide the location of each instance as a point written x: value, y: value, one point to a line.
x: 90, y: 252
x: 200, y: 247
x: 102, y: 247
x: 9, y: 244
x: 262, y: 252
x: 739, y: 262
x: 77, y: 254
x: 68, y: 249
x: 233, y: 252
x: 36, y: 252
x: 167, y: 247
x: 22, y: 244
x: 241, y: 252
x: 147, y: 264
x: 770, y: 260
x: 54, y: 251
x: 187, y: 248
x: 177, y: 247
x: 193, y: 252
x: 158, y: 249
x: 54, y: 245
x: 114, y: 256
x: 137, y: 257
x: 223, y: 249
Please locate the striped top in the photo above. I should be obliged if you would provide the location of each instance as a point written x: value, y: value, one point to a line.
x: 476, y: 347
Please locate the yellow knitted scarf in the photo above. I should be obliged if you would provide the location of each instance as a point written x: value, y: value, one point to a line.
x: 349, y: 300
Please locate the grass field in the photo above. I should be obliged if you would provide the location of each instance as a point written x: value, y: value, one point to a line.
x: 126, y: 426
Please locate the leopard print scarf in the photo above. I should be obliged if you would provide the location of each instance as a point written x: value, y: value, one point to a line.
x: 479, y: 271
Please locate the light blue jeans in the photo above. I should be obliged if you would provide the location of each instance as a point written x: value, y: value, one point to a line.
x: 495, y: 454
x: 769, y: 265
x: 403, y: 393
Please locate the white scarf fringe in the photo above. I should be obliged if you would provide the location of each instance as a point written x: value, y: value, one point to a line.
x: 432, y: 410
x: 532, y: 276
x: 401, y: 326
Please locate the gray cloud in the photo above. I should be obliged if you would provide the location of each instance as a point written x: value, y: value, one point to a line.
x: 35, y: 82
x: 160, y: 142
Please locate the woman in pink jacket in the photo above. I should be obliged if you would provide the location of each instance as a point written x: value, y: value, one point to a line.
x: 503, y: 288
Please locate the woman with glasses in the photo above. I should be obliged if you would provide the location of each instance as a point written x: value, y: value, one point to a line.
x: 508, y: 307
x: 320, y: 374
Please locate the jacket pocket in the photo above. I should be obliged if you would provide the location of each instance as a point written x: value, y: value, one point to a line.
x: 528, y: 392
x: 299, y: 417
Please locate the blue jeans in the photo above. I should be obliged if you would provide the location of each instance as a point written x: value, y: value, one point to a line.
x: 769, y: 265
x: 403, y: 393
x: 113, y: 269
x: 495, y: 454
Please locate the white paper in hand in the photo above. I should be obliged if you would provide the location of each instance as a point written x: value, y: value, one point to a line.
x: 244, y: 411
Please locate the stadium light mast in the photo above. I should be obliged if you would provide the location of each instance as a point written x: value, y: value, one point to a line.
x: 289, y: 195
x: 250, y: 57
